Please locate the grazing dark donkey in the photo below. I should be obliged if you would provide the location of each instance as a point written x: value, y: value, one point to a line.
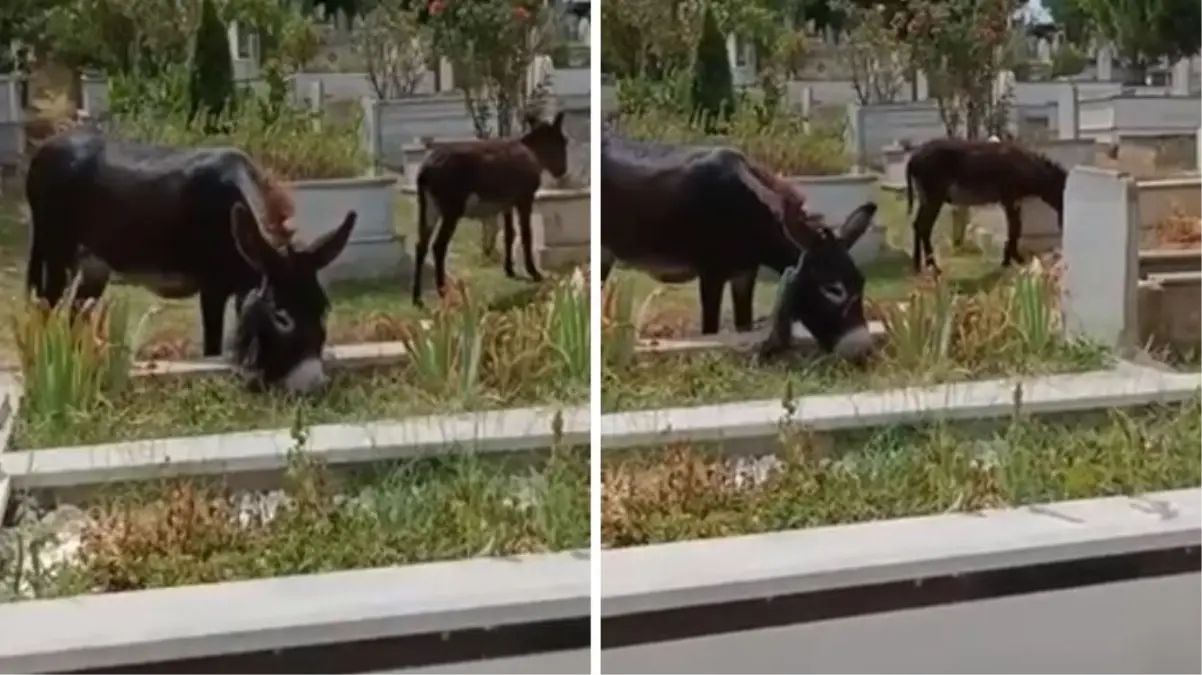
x: 482, y: 179
x: 680, y: 213
x: 975, y: 173
x: 181, y: 222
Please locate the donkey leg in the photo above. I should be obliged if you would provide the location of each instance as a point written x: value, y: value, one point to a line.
x: 524, y: 211
x: 742, y: 295
x: 509, y: 235
x: 711, y: 302
x: 442, y: 242
x: 924, y: 223
x: 607, y: 263
x: 212, y: 318
x: 427, y: 217
x: 1014, y: 232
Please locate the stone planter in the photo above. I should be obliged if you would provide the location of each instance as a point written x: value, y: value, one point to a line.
x: 375, y: 248
x: 412, y: 157
x: 560, y: 225
x: 835, y: 197
x: 565, y: 227
x: 1040, y: 235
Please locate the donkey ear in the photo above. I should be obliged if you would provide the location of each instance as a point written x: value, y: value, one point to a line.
x: 249, y: 240
x: 329, y: 246
x: 857, y: 224
x: 558, y: 121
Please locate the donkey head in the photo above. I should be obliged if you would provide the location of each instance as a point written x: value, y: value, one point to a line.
x: 547, y: 142
x: 827, y: 289
x: 281, y: 327
x: 1052, y: 183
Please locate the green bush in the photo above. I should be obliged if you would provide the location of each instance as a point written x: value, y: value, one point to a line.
x: 291, y: 143
x: 211, y: 88
x: 781, y: 142
x: 1068, y: 60
x: 713, y: 94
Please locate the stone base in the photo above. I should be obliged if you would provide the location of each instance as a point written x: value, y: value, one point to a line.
x: 1040, y: 232
x: 562, y: 258
x: 370, y: 259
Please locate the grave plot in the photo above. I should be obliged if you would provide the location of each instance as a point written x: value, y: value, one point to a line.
x: 472, y: 444
x: 932, y: 335
x: 685, y: 491
x: 310, y: 518
x: 464, y: 357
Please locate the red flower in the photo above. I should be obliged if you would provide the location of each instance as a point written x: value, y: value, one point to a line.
x: 436, y: 7
x: 521, y: 13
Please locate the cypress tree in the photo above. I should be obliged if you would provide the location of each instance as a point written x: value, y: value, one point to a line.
x: 713, y: 92
x: 211, y: 87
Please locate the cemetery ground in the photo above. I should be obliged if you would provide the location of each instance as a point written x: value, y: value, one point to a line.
x: 497, y: 344
x: 688, y: 491
x: 796, y: 456
x: 509, y: 318
x: 975, y: 291
x: 362, y: 311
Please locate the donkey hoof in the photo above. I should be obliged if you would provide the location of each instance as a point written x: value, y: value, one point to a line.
x: 511, y: 273
x: 536, y: 276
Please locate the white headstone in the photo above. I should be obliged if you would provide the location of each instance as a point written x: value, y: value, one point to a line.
x: 1100, y: 253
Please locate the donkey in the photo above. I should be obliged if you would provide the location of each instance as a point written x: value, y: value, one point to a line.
x: 183, y: 222
x: 482, y: 179
x: 680, y: 213
x: 975, y: 173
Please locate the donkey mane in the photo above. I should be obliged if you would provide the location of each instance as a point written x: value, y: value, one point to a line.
x: 1047, y: 163
x: 280, y: 206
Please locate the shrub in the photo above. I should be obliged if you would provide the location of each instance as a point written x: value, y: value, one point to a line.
x: 1067, y: 61
x: 293, y: 145
x: 71, y: 364
x: 935, y: 327
x: 463, y: 350
x: 781, y: 143
x: 713, y: 93
x: 568, y: 325
x: 211, y: 88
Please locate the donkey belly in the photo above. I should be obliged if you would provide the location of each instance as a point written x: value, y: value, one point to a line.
x: 664, y: 271
x: 169, y: 285
x: 150, y: 267
x: 960, y: 195
x: 478, y: 209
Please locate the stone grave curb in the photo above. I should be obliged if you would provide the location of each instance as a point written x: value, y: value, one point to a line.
x: 1130, y: 386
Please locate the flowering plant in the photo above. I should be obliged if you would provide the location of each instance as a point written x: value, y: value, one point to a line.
x: 491, y: 44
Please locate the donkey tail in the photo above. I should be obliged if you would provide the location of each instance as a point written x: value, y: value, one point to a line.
x: 425, y: 226
x: 909, y: 190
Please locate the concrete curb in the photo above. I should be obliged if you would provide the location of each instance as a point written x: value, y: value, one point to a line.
x: 652, y: 578
x: 99, y: 631
x: 482, y: 432
x: 1098, y: 390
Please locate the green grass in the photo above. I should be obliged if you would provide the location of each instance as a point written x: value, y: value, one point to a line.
x: 363, y: 311
x: 711, y: 377
x: 683, y: 492
x: 183, y: 532
x: 189, y: 406
x: 466, y: 358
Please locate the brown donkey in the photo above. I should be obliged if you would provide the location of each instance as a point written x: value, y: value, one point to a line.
x: 976, y: 173
x: 482, y: 179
